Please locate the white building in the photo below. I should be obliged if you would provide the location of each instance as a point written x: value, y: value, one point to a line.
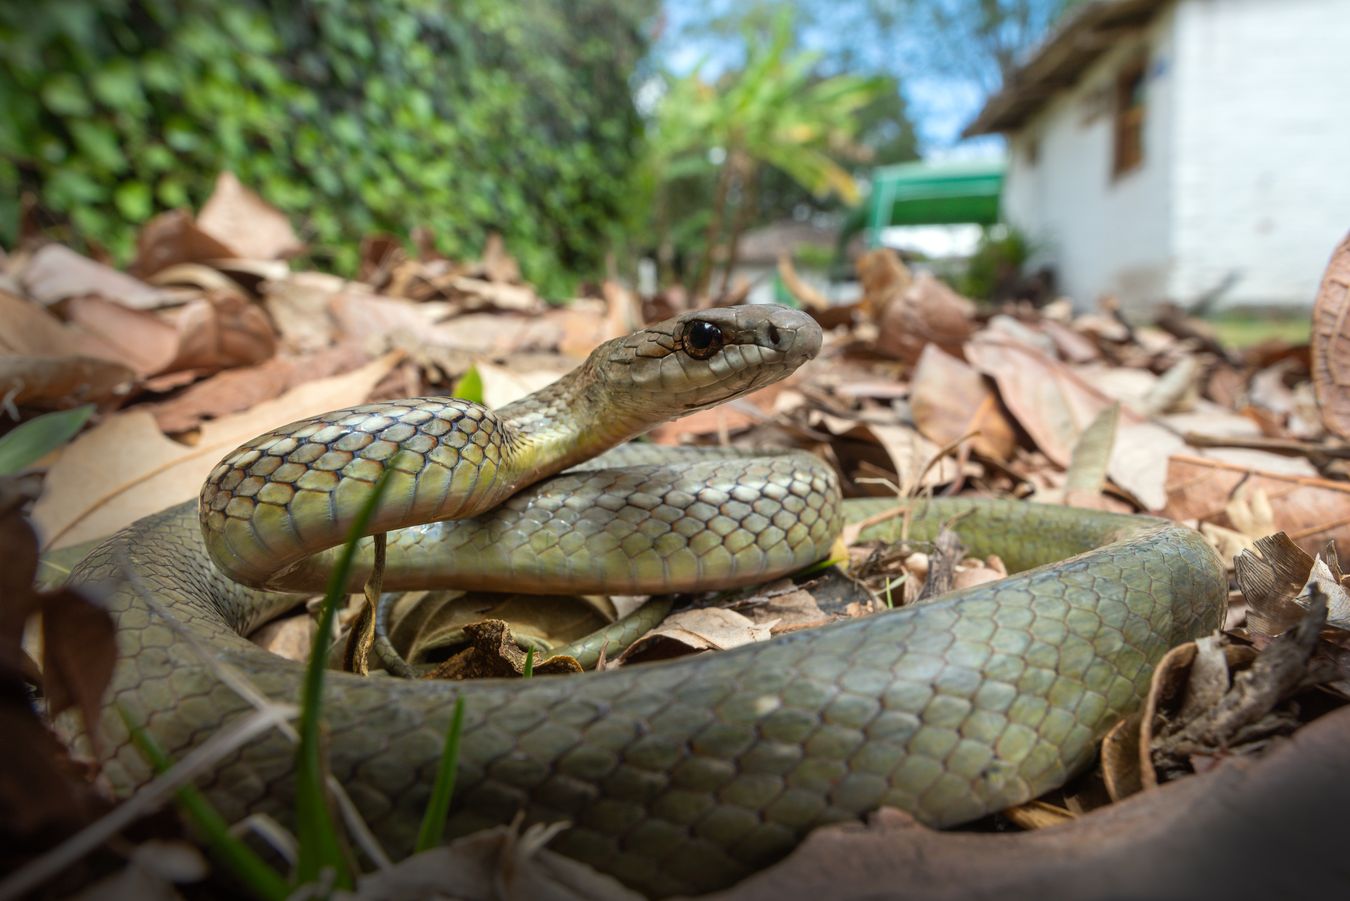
x: 1182, y: 149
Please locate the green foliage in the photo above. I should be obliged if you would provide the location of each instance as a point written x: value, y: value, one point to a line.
x: 715, y: 145
x: 430, y: 833
x: 997, y: 262
x: 351, y: 117
x: 30, y: 442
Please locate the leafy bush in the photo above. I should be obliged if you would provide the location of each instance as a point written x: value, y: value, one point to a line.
x: 997, y: 264
x: 351, y: 117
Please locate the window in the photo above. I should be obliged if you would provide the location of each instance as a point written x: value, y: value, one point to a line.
x: 1129, y: 122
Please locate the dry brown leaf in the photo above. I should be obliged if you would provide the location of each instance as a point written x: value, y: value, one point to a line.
x: 504, y: 384
x: 1331, y: 342
x: 494, y: 653
x: 172, y: 238
x: 1310, y: 509
x: 693, y: 631
x: 79, y: 651
x: 495, y: 334
x: 360, y: 316
x: 722, y: 420
x: 784, y: 608
x: 949, y: 400
x: 146, y: 343
x: 914, y: 457
x: 1050, y: 402
x: 1005, y: 326
x: 884, y: 279
x: 291, y: 637
x: 56, y: 273
x: 240, y: 389
x: 28, y: 329
x: 221, y: 330
x: 497, y: 863
x: 1139, y: 460
x: 927, y: 312
x: 584, y: 323
x: 1054, y: 404
x: 298, y: 305
x: 124, y: 468
x: 55, y: 383
x: 497, y: 264
x: 1070, y: 345
x: 242, y: 221
x: 808, y: 296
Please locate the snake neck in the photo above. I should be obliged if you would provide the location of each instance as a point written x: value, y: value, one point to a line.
x: 567, y: 422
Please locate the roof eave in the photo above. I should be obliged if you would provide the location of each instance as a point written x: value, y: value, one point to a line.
x: 1056, y: 65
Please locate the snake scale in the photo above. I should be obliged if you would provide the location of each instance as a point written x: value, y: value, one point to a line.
x: 678, y: 777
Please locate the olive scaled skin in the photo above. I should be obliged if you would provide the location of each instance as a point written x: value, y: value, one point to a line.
x: 680, y: 777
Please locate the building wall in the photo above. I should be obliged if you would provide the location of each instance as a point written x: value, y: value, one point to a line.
x: 1104, y: 234
x: 1244, y: 188
x: 1262, y: 146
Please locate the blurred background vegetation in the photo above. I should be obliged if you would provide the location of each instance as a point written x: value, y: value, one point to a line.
x: 574, y: 129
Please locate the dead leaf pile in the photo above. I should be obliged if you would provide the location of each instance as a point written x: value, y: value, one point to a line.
x: 214, y: 336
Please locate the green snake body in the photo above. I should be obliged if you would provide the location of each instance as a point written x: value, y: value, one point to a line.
x: 677, y: 777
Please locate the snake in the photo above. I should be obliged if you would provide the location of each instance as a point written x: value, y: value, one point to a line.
x: 678, y: 777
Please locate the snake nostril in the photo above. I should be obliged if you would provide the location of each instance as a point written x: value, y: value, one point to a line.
x: 774, y: 336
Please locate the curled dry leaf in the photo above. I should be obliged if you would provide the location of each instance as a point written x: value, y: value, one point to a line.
x: 1331, y: 343
x: 502, y: 862
x: 1054, y: 405
x: 214, y: 332
x: 784, y: 608
x: 291, y: 637
x: 950, y: 400
x: 236, y: 390
x: 245, y: 223
x: 494, y: 654
x: 221, y: 330
x: 693, y: 631
x: 1276, y: 579
x: 145, y: 342
x: 124, y: 468
x: 172, y: 238
x: 1312, y: 510
x: 807, y: 295
x: 41, y: 798
x: 1231, y: 699
x: 298, y: 305
x: 497, y: 265
x: 884, y: 279
x: 30, y: 330
x: 56, y: 273
x: 79, y: 651
x: 53, y: 383
x: 928, y: 312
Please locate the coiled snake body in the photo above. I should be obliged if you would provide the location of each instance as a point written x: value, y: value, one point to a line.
x: 677, y: 777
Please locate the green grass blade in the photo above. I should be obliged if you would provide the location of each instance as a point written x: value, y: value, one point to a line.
x: 320, y: 846
x: 529, y: 664
x: 438, y: 807
x: 470, y: 386
x: 30, y: 442
x: 238, y: 858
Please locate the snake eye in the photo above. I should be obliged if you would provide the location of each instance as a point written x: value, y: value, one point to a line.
x: 702, y: 339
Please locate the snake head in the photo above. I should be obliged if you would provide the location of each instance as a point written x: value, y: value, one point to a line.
x: 705, y: 357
